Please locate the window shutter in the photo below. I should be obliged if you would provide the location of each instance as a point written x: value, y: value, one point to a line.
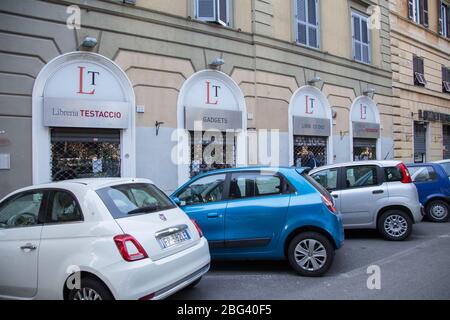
x: 448, y: 21
x: 223, y: 10
x: 425, y: 13
x: 411, y: 9
x: 206, y: 10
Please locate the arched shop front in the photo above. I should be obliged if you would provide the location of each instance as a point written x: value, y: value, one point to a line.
x: 310, y: 123
x: 83, y: 119
x: 365, y: 129
x: 213, y: 118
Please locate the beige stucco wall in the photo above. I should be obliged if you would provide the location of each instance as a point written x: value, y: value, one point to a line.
x: 409, y: 39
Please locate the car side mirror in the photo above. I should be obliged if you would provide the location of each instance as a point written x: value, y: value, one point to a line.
x: 177, y: 201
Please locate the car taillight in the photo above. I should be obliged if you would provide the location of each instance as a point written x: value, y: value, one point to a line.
x: 130, y: 248
x: 199, y: 230
x: 329, y: 204
x: 406, y: 177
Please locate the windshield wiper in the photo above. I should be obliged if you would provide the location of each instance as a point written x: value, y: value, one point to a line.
x: 151, y: 208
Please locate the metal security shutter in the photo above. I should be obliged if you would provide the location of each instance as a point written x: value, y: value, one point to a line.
x: 84, y: 153
x: 446, y: 141
x: 420, y: 144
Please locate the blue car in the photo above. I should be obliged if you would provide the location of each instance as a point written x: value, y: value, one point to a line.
x: 265, y: 213
x: 433, y: 185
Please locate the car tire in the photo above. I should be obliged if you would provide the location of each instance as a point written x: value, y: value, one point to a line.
x: 91, y: 289
x: 195, y: 283
x: 310, y: 254
x: 395, y: 225
x: 438, y: 211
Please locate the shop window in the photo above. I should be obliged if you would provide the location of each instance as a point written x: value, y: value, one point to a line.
x: 215, y: 11
x: 84, y: 153
x: 446, y: 141
x: 420, y: 146
x: 307, y: 22
x: 361, y: 37
x: 445, y: 79
x: 444, y: 20
x: 310, y: 151
x: 364, y: 149
x: 418, y: 11
x: 211, y: 151
x: 419, y: 72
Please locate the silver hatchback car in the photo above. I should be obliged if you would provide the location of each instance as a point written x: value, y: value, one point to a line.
x: 373, y: 195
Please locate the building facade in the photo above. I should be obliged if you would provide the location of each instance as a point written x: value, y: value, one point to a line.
x: 143, y: 89
x: 420, y: 41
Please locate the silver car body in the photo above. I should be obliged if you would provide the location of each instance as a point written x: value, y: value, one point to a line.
x: 361, y: 206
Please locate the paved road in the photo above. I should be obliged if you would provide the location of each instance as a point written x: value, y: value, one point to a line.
x: 415, y: 269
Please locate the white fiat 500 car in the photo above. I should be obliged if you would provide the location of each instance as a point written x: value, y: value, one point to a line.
x: 97, y: 239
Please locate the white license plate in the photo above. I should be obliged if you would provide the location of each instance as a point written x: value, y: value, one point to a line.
x: 174, y: 239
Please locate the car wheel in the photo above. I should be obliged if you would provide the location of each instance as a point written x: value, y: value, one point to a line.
x: 395, y: 225
x: 310, y: 254
x: 195, y: 283
x: 91, y: 289
x: 437, y: 211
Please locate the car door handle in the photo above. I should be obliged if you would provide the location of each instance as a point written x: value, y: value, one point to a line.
x: 377, y: 191
x: 213, y: 215
x: 28, y: 246
x: 335, y: 196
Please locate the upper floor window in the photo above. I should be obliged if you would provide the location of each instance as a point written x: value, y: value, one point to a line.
x: 213, y: 11
x: 307, y: 22
x: 418, y: 70
x: 361, y: 37
x: 446, y: 79
x: 418, y: 11
x: 444, y: 20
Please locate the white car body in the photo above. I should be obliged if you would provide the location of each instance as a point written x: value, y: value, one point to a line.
x: 88, y: 246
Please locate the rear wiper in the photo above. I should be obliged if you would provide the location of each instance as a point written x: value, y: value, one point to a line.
x: 144, y: 209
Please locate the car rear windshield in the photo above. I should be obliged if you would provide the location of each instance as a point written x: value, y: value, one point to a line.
x: 317, y: 186
x: 136, y: 198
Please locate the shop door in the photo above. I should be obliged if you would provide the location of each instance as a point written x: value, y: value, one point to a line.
x: 210, y: 153
x: 310, y: 151
x: 420, y: 146
x: 84, y: 153
x: 446, y: 141
x: 364, y: 149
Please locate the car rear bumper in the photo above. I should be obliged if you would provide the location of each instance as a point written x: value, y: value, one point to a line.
x: 147, y: 279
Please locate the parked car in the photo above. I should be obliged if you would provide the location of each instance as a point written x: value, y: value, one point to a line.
x: 265, y: 213
x: 433, y: 185
x: 373, y: 195
x: 95, y: 239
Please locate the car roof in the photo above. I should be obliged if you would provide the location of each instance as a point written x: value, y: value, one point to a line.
x: 382, y: 163
x: 88, y: 183
x: 251, y: 168
x: 433, y: 164
x: 441, y: 161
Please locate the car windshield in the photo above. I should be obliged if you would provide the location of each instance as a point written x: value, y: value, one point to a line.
x: 317, y: 186
x: 137, y: 198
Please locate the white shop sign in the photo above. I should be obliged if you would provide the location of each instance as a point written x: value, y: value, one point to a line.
x: 59, y: 112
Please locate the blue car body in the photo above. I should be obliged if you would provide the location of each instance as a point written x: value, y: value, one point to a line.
x: 260, y: 227
x: 434, y: 185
